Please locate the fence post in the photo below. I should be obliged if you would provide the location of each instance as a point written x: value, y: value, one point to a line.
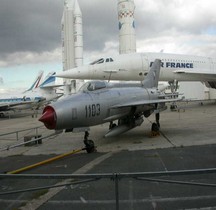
x: 36, y: 131
x: 17, y: 137
x: 116, y: 190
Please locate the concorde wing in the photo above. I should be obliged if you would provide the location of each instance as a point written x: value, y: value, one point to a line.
x: 208, y: 77
x: 202, y: 75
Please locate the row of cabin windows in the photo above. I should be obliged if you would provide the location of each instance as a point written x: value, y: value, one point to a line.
x: 12, y: 100
x: 186, y: 61
x: 183, y: 61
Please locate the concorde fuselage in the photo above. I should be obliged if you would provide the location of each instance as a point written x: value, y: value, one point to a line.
x: 135, y: 66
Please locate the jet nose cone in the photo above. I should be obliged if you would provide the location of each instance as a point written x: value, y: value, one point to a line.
x: 70, y: 73
x: 75, y: 73
x: 49, y: 117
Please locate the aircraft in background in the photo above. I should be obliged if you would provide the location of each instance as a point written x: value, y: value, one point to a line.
x: 47, y: 88
x: 39, y: 93
x: 99, y: 102
x: 135, y: 66
x: 36, y: 82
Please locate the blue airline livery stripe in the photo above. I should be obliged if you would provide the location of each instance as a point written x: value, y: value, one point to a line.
x: 20, y: 99
x: 48, y: 80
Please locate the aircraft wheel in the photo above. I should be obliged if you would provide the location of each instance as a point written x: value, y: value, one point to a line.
x: 112, y: 125
x: 90, y: 147
x: 155, y: 127
x: 173, y: 107
x: 158, y: 125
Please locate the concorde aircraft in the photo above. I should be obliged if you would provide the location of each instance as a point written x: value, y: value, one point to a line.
x: 99, y: 101
x: 135, y: 66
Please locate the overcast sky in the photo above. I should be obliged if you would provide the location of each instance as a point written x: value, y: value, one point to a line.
x: 30, y: 32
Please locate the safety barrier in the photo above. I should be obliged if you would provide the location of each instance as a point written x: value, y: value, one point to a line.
x: 29, y: 137
x: 75, y: 179
x: 16, y: 133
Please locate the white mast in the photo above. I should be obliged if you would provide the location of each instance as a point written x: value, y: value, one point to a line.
x: 127, y: 36
x: 68, y: 54
x: 72, y: 41
x: 78, y: 35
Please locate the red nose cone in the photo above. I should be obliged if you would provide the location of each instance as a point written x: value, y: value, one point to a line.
x: 49, y: 117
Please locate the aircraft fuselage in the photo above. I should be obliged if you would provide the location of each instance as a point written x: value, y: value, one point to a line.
x: 93, y: 108
x: 135, y: 67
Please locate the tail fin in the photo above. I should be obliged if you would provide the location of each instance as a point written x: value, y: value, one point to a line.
x: 49, y: 81
x: 151, y: 80
x: 36, y: 82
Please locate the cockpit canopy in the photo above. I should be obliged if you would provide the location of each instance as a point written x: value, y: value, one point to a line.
x: 93, y: 85
x: 102, y: 60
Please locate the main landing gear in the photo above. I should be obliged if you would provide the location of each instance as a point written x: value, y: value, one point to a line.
x: 155, y: 129
x: 89, y: 144
x: 173, y: 86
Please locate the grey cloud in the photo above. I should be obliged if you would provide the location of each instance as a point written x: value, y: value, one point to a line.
x: 35, y: 26
x: 29, y: 25
x: 100, y: 23
x: 180, y: 16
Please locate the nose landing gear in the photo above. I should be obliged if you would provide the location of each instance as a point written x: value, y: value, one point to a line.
x: 89, y: 144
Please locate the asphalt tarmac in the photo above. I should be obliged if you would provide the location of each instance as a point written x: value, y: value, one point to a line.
x: 187, y: 142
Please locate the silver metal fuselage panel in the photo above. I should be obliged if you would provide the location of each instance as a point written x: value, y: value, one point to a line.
x: 95, y: 107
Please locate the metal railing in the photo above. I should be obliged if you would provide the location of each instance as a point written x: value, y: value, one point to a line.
x: 19, y: 135
x: 75, y: 179
x: 16, y: 133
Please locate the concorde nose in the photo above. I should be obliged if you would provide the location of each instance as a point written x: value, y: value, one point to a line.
x: 69, y: 73
x: 49, y: 117
x: 75, y: 73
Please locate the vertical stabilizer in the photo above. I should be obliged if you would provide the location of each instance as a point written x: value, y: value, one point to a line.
x: 151, y: 80
x: 49, y: 81
x: 36, y: 82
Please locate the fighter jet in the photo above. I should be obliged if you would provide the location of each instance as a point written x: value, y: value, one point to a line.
x: 99, y: 102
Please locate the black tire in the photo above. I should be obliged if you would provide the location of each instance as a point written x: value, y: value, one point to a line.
x: 90, y: 147
x: 155, y: 127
